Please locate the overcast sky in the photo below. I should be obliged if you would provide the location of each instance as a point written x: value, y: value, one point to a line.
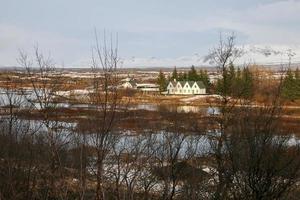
x: 151, y: 32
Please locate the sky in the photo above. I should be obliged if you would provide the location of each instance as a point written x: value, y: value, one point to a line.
x: 151, y: 33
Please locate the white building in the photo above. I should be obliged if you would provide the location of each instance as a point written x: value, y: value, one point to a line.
x: 148, y: 87
x: 129, y: 83
x: 186, y: 87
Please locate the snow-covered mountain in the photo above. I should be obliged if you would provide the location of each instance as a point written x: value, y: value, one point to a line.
x: 270, y: 55
x: 252, y: 54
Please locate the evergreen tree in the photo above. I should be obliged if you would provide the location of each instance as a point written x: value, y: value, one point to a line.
x: 231, y: 75
x: 291, y: 86
x: 223, y: 84
x: 238, y: 83
x: 185, y: 76
x: 192, y: 74
x: 297, y: 74
x: 201, y: 75
x: 180, y: 76
x: 204, y: 78
x: 230, y: 79
x: 161, y: 81
x: 169, y: 78
x: 219, y: 86
x: 247, y: 83
x: 297, y: 89
x: 238, y: 73
x: 174, y: 74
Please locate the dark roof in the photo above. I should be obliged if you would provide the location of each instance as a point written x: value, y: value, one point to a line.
x: 173, y: 83
x: 182, y: 83
x: 132, y: 82
x: 191, y: 83
x: 200, y: 84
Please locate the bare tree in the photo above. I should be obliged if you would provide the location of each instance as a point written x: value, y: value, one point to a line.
x: 40, y: 71
x: 263, y: 163
x: 174, y: 148
x: 105, y: 62
x: 251, y: 157
x: 224, y: 54
x: 126, y: 165
x: 81, y: 156
x: 16, y: 139
x: 147, y: 180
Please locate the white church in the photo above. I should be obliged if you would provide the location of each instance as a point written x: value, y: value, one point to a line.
x: 186, y: 87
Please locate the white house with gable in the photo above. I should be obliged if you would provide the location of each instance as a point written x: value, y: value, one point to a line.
x: 186, y: 87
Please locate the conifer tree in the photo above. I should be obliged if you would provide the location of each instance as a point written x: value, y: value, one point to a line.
x: 180, y: 76
x: 231, y: 78
x: 291, y: 85
x: 192, y: 74
x: 297, y: 77
x: 231, y: 72
x: 297, y: 74
x: 223, y: 84
x: 174, y: 74
x: 185, y: 76
x: 238, y: 83
x: 161, y: 81
x: 204, y: 78
x: 247, y: 80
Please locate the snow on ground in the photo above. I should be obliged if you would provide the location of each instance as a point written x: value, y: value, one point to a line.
x: 81, y: 92
x: 63, y: 93
x: 74, y: 92
x: 197, y: 97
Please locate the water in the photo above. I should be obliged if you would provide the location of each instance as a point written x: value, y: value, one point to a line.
x: 66, y: 131
x: 28, y: 97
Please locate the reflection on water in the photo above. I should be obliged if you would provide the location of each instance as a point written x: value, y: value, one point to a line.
x: 148, y: 107
x: 176, y: 108
x: 66, y: 133
x: 152, y: 107
x: 28, y: 99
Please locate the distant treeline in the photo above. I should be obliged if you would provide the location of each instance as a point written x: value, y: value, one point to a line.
x: 234, y: 81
